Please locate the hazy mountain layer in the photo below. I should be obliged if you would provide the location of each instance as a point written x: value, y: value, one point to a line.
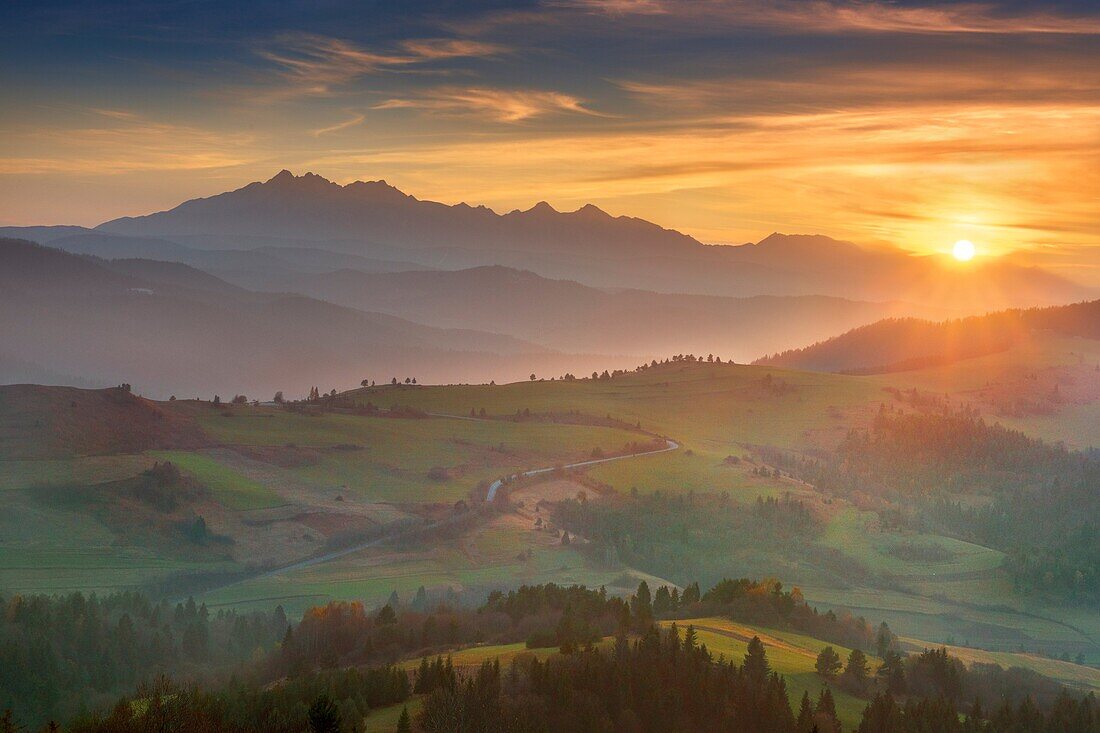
x: 375, y: 220
x: 169, y: 328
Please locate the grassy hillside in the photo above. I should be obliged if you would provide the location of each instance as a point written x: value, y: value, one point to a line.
x: 906, y: 344
x: 53, y: 422
x: 720, y: 410
x: 290, y: 484
x: 281, y: 486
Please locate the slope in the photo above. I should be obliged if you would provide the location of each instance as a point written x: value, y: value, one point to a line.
x: 167, y: 329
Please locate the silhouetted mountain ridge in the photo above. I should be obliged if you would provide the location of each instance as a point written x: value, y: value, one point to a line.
x: 376, y: 220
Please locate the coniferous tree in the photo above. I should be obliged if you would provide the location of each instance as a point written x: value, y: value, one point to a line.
x: 828, y: 662
x: 805, y: 720
x: 404, y: 723
x: 825, y: 713
x: 323, y: 716
x: 756, y: 666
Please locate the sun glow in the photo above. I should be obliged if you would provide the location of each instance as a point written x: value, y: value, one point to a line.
x: 963, y: 251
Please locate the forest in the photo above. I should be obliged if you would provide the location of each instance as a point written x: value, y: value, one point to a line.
x: 662, y: 680
x: 953, y: 473
x: 615, y: 668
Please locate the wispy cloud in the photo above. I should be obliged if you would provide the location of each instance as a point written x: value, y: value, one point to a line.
x: 837, y: 16
x: 429, y: 49
x: 315, y: 65
x: 502, y: 105
x: 352, y: 122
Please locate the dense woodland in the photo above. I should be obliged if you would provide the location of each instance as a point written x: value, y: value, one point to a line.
x: 662, y: 680
x: 67, y: 658
x: 61, y: 655
x: 1034, y: 500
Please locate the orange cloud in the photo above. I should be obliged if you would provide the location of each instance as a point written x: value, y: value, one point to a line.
x: 825, y: 16
x: 128, y: 143
x: 503, y: 105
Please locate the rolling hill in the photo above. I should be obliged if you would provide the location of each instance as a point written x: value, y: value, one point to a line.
x: 39, y: 422
x: 168, y: 328
x: 571, y: 317
x: 905, y: 344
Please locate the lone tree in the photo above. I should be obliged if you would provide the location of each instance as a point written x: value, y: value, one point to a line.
x: 404, y: 723
x: 279, y: 398
x: 365, y: 383
x: 532, y: 377
x: 828, y: 662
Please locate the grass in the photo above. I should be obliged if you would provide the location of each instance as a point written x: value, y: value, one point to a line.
x: 96, y: 568
x: 229, y: 487
x: 714, y: 407
x: 384, y: 720
x: 678, y: 472
x: 388, y: 460
x: 1075, y: 424
x: 791, y: 655
x: 712, y: 410
x: 858, y: 535
x: 23, y: 474
x: 483, y: 560
x: 941, y: 620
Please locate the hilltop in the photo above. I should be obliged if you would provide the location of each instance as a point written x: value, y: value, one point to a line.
x: 906, y: 344
x: 54, y: 422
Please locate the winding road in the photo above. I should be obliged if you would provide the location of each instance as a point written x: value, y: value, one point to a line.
x: 492, y: 494
x: 671, y: 445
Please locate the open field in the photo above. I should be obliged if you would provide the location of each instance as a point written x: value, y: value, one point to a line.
x: 389, y: 460
x: 1028, y: 371
x: 941, y: 620
x: 86, y: 568
x: 299, y: 478
x: 859, y: 535
x: 700, y: 472
x: 384, y: 720
x: 230, y: 488
x: 489, y: 559
x: 716, y: 407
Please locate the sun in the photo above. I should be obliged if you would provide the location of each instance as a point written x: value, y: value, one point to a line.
x: 963, y: 250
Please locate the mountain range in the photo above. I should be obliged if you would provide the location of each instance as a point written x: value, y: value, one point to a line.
x: 297, y: 281
x: 376, y: 221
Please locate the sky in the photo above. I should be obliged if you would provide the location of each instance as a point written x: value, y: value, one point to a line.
x: 912, y: 123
